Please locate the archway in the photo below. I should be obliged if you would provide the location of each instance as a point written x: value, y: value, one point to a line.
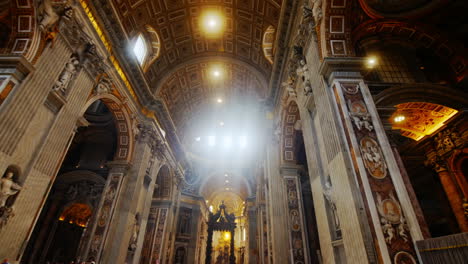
x: 78, y: 188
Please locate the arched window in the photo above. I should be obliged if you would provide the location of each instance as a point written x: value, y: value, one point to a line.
x: 140, y: 50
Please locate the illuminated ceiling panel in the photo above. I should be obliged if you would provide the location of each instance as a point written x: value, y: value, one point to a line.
x: 420, y: 119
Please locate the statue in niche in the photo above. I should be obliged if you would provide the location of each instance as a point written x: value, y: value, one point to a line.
x: 67, y: 74
x: 136, y: 230
x: 328, y: 193
x: 8, y: 188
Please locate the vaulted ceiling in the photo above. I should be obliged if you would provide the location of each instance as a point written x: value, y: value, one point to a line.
x: 180, y: 74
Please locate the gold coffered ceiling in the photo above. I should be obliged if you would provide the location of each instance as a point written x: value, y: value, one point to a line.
x: 179, y: 74
x: 177, y: 23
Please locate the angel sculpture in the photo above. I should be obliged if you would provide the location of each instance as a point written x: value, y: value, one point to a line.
x: 402, y: 227
x: 48, y: 17
x: 388, y: 230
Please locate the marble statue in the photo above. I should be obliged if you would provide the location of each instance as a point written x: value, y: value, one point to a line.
x: 48, y: 17
x: 317, y: 10
x: 328, y: 193
x: 8, y: 188
x: 136, y: 230
x: 67, y: 74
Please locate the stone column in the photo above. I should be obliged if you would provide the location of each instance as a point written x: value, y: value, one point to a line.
x: 277, y: 202
x: 387, y: 203
x: 117, y: 171
x: 450, y: 188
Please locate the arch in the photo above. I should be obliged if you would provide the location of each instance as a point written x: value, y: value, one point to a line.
x: 261, y: 76
x: 430, y: 93
x: 245, y: 189
x: 458, y: 164
x: 268, y: 43
x: 289, y: 119
x: 163, y: 189
x: 403, y: 8
x: 125, y: 137
x: 153, y: 44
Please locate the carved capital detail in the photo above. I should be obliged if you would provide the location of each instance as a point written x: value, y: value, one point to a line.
x: 434, y: 161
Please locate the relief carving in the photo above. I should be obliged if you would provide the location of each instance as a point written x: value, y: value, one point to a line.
x: 104, y: 86
x: 373, y: 158
x: 435, y: 161
x: 360, y: 116
x: 392, y: 219
x: 447, y: 141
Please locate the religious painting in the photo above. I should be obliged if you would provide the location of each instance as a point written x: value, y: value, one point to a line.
x: 373, y: 158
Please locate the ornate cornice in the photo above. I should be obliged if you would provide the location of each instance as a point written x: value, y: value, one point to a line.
x: 282, y: 49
